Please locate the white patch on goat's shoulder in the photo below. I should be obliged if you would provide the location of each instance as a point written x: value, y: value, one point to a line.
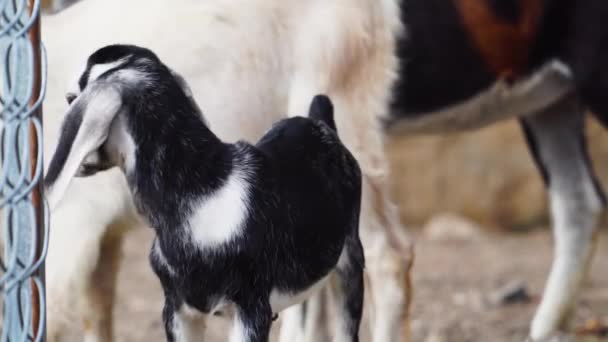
x: 280, y: 301
x: 99, y: 69
x: 220, y: 216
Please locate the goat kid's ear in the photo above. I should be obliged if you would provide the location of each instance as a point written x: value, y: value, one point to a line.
x: 322, y: 109
x: 85, y: 128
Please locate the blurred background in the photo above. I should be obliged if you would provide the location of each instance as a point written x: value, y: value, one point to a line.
x: 476, y: 205
x: 478, y: 209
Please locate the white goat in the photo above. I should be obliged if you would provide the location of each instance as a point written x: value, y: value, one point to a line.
x: 249, y: 63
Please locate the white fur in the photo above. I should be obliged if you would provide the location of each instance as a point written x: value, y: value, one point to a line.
x: 79, y: 226
x: 133, y: 76
x: 219, y: 218
x: 99, y: 69
x: 120, y: 140
x: 189, y: 324
x: 572, y: 257
x: 239, y: 331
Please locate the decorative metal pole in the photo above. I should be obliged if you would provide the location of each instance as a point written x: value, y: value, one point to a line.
x: 34, y: 36
x: 23, y: 218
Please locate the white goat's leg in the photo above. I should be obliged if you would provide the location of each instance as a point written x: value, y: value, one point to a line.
x: 556, y: 137
x: 74, y: 251
x: 82, y: 290
x: 84, y: 253
x: 389, y: 257
x: 101, y: 290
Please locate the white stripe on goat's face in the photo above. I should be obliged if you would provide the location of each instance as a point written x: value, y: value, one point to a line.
x: 219, y: 218
x: 88, y: 74
x: 97, y: 70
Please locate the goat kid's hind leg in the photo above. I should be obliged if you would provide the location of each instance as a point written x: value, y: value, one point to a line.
x: 556, y: 138
x: 348, y: 290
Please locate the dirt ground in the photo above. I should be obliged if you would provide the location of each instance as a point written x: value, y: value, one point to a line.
x: 453, y: 280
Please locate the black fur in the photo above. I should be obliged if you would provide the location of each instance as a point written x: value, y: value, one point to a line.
x: 304, y: 201
x: 438, y: 64
x: 533, y: 146
x: 586, y: 52
x: 507, y: 10
x: 322, y: 109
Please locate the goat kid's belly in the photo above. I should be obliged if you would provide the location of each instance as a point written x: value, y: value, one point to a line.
x: 208, y: 291
x: 279, y: 301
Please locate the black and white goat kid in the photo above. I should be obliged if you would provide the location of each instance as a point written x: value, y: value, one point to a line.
x: 253, y: 228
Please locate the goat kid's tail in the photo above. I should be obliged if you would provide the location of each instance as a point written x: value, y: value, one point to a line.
x: 322, y: 109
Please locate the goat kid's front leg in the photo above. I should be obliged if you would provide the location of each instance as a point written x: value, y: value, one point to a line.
x: 252, y: 322
x: 184, y: 324
x: 557, y: 140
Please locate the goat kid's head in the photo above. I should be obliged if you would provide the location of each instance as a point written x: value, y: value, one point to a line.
x: 117, y: 82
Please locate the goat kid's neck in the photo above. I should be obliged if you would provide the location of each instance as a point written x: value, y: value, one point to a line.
x: 177, y: 160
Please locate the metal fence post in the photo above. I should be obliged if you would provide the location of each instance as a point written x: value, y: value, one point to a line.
x: 24, y: 219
